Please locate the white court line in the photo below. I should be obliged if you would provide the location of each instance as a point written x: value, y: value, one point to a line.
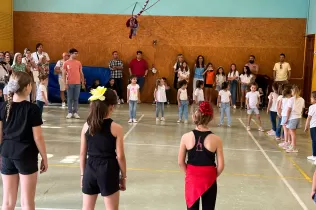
x: 132, y: 128
x: 296, y: 196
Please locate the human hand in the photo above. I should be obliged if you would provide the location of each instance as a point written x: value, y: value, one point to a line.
x: 127, y: 101
x: 46, y: 103
x: 313, y: 194
x: 44, y: 165
x: 66, y: 87
x: 306, y: 129
x: 123, y: 184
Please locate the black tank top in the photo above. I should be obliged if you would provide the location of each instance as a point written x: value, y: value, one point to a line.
x: 199, y: 155
x: 102, y: 144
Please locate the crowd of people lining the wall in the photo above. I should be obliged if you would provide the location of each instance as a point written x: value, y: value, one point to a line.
x: 23, y: 82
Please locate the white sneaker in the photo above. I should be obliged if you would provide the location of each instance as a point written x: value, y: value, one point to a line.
x: 314, y: 162
x: 162, y: 119
x: 122, y: 101
x: 76, y: 116
x: 118, y: 101
x: 43, y: 120
x: 130, y: 121
x: 63, y: 105
x: 272, y: 133
x: 69, y: 115
x: 311, y: 158
x: 179, y: 121
x: 234, y: 106
x: 261, y: 129
x: 248, y: 128
x: 157, y: 119
x: 134, y: 121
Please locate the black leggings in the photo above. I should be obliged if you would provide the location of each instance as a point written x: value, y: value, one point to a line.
x: 208, y: 199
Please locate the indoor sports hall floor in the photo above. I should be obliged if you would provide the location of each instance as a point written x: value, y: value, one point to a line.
x: 258, y: 175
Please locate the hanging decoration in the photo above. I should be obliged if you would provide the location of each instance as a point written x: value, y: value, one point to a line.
x: 132, y: 22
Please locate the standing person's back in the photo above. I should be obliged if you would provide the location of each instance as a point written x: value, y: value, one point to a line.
x: 203, y: 148
x: 102, y: 142
x: 21, y: 142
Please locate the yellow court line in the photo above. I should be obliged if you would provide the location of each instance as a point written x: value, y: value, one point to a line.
x: 178, y: 171
x: 298, y: 168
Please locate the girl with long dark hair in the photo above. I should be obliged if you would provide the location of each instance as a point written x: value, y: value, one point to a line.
x: 233, y: 77
x: 198, y: 71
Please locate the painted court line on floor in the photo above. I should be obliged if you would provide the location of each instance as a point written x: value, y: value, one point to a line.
x: 132, y: 128
x: 296, y: 196
x: 304, y: 174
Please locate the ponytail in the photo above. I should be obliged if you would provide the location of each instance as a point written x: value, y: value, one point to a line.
x: 9, y: 104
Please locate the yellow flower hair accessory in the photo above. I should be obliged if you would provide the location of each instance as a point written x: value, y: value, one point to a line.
x: 97, y: 94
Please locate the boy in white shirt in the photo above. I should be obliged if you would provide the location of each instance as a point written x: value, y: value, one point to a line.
x: 252, y: 101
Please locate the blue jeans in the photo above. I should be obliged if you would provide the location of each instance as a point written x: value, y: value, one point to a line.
x: 279, y: 131
x: 40, y: 105
x: 313, y: 136
x: 233, y: 91
x: 141, y: 82
x: 273, y: 116
x: 183, y: 110
x: 73, y: 94
x: 160, y: 107
x: 225, y: 108
x: 132, y: 109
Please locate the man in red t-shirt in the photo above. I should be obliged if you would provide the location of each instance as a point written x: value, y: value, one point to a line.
x: 139, y: 67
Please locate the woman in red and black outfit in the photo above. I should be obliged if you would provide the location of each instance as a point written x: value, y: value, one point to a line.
x: 202, y: 147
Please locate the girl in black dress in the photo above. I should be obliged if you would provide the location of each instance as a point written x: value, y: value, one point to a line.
x: 104, y: 171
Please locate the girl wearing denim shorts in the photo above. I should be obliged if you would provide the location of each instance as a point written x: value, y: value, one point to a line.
x: 286, y: 95
x: 295, y: 106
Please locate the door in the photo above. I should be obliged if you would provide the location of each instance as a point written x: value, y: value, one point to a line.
x: 308, y: 67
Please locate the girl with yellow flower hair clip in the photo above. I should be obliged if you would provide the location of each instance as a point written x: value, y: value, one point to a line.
x: 104, y: 171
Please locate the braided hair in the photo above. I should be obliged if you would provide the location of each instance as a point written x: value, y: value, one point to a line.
x: 17, y: 84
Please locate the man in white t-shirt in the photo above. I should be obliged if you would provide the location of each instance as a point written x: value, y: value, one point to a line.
x: 59, y: 70
x: 39, y: 53
x: 282, y: 71
x: 253, y: 100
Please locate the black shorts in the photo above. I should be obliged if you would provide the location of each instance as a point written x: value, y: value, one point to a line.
x: 208, y: 86
x: 24, y: 167
x: 101, y: 176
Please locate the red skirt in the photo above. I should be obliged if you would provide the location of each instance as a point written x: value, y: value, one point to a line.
x: 197, y: 181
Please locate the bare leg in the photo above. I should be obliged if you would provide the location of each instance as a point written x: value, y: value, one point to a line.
x: 10, y: 191
x: 28, y: 189
x: 259, y: 120
x: 89, y: 202
x: 242, y: 98
x: 112, y: 202
x: 62, y: 96
x: 249, y: 119
x: 207, y: 94
x: 286, y: 134
x: 293, y: 137
x: 211, y: 92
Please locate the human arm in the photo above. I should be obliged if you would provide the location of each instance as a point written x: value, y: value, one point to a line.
x: 44, y: 97
x: 40, y: 144
x: 269, y: 103
x: 274, y: 71
x: 155, y: 94
x: 289, y: 75
x: 118, y: 132
x: 83, y: 150
x: 81, y: 75
x: 130, y: 71
x: 219, y: 157
x: 308, y: 120
x: 178, y: 97
x: 218, y: 99
x: 247, y: 102
x: 128, y: 93
x: 138, y: 95
x: 57, y: 68
x: 182, y: 155
x: 64, y: 75
x: 1, y: 132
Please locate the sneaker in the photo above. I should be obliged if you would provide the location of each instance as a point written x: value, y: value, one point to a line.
x: 157, y: 119
x: 179, y: 121
x: 268, y: 132
x: 248, y: 128
x: 118, y: 101
x: 134, y: 121
x: 162, y: 119
x: 229, y: 126
x: 286, y: 146
x: 63, y: 105
x: 282, y: 144
x: 311, y: 158
x: 291, y: 149
x: 219, y: 125
x: 234, y: 106
x: 314, y: 162
x: 261, y: 129
x: 122, y: 101
x: 43, y: 120
x: 272, y: 133
x: 186, y: 122
x: 69, y: 115
x: 168, y: 102
x: 277, y: 138
x: 76, y: 116
x: 130, y: 121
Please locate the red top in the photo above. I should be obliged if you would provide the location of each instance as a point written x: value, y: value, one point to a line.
x: 138, y: 67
